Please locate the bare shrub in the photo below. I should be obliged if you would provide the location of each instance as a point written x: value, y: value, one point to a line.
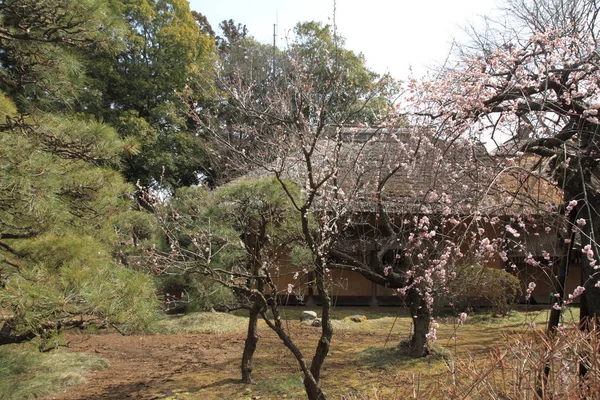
x: 478, y: 285
x: 517, y: 370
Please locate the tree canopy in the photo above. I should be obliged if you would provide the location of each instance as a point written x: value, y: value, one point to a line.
x: 143, y: 89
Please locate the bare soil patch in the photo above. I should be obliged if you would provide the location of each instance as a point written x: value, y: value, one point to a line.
x: 148, y: 366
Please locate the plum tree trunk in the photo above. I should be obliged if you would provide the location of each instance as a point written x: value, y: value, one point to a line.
x: 250, y: 345
x: 420, y: 315
x: 252, y: 335
x: 311, y: 385
x: 313, y: 390
x: 326, y: 327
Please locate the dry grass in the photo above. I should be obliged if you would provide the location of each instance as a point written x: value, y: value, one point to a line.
x: 201, y: 322
x: 533, y: 365
x: 28, y: 374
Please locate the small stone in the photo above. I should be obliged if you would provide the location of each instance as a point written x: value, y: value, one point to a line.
x: 308, y: 316
x: 356, y: 318
x: 317, y: 322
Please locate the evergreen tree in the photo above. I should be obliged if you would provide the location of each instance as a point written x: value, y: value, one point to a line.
x: 60, y: 188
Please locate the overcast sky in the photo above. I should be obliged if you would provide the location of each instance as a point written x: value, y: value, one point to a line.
x: 393, y: 35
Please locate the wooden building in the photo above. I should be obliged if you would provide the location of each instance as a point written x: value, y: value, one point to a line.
x: 406, y: 175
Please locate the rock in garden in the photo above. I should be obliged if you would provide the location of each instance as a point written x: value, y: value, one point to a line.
x: 308, y: 316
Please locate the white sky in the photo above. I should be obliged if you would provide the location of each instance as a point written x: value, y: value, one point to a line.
x: 393, y: 35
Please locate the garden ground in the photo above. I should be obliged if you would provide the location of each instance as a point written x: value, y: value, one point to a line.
x: 197, y: 357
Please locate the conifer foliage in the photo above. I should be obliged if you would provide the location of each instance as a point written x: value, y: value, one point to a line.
x: 60, y: 188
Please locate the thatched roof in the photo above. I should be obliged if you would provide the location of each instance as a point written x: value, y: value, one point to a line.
x: 419, y: 172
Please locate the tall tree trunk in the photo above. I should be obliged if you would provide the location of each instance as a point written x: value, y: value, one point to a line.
x: 420, y: 315
x: 590, y: 301
x: 589, y: 308
x: 581, y: 183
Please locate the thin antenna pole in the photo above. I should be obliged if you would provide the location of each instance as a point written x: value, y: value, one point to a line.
x: 335, y: 36
x: 274, y: 49
x: 334, y: 22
